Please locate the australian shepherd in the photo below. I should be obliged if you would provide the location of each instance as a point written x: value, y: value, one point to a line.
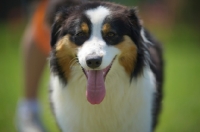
x: 106, y: 70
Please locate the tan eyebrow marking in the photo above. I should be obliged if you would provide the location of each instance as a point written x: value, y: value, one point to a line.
x: 84, y: 27
x: 106, y: 28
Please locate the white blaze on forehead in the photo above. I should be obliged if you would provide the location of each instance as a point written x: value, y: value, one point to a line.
x: 98, y: 14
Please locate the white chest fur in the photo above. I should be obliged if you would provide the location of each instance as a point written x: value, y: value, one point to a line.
x: 125, y: 108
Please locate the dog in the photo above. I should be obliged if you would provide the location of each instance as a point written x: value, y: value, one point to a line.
x: 106, y: 70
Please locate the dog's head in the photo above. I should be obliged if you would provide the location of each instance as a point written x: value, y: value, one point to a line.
x: 96, y: 34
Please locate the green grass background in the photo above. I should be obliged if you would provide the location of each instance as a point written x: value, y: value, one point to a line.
x: 181, y: 104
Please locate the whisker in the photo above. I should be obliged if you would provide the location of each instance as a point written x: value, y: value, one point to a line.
x: 73, y: 63
x: 73, y: 59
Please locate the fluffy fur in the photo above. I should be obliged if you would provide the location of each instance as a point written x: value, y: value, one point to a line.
x: 131, y: 63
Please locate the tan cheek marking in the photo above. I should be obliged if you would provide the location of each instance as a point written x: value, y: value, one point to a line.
x: 106, y: 28
x: 128, y: 55
x: 66, y: 53
x: 84, y: 27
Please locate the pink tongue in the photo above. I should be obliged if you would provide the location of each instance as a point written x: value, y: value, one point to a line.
x: 95, y: 86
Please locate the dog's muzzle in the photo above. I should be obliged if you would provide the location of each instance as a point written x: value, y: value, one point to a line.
x: 95, y: 91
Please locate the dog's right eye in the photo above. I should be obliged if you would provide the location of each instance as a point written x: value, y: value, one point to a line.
x: 80, y: 37
x: 80, y: 34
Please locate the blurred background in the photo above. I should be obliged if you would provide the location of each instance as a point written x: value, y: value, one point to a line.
x: 175, y: 23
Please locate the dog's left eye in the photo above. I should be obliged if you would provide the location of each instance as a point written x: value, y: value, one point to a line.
x: 110, y: 34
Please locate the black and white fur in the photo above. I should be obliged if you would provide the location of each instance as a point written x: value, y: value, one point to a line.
x: 133, y: 97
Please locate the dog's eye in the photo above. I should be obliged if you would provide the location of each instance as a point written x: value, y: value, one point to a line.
x: 110, y: 34
x: 80, y: 37
x: 80, y: 34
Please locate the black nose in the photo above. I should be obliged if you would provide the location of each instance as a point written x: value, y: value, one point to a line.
x: 93, y: 61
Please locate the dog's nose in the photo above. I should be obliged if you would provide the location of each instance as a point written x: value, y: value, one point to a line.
x: 93, y: 61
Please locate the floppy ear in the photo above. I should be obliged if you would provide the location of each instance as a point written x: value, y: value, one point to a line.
x: 136, y: 28
x: 133, y: 16
x: 135, y: 25
x: 57, y: 26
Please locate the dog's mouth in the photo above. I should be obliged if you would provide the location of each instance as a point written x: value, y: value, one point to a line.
x: 96, y: 91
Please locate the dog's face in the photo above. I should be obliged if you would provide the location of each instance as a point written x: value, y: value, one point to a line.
x: 97, y: 34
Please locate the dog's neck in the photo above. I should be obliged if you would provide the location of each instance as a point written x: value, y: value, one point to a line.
x: 126, y: 107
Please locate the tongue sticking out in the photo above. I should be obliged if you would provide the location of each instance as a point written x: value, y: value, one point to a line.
x: 95, y: 86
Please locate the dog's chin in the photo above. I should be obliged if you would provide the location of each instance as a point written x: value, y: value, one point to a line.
x: 96, y: 91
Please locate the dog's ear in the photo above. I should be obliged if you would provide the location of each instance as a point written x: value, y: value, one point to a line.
x: 136, y: 28
x: 59, y: 20
x: 134, y: 18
